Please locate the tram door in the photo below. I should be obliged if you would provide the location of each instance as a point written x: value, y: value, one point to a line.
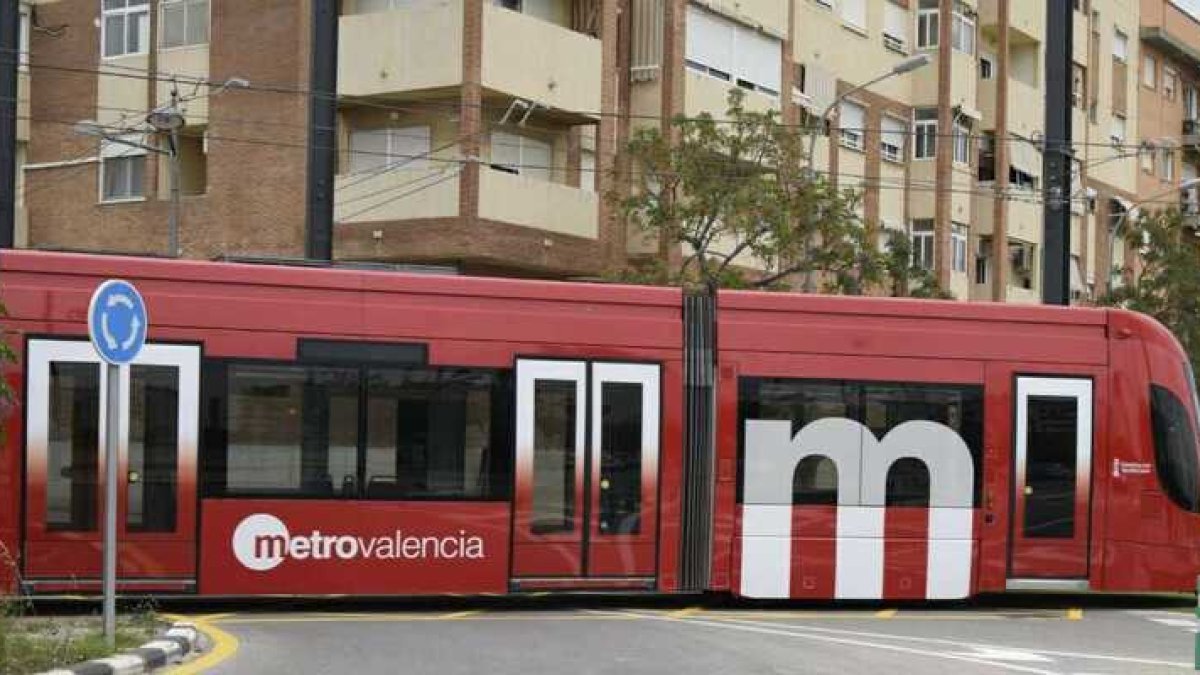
x: 1052, y: 480
x: 587, y: 449
x: 64, y: 475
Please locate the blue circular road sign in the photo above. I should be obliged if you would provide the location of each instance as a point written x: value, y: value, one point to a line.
x: 117, y: 321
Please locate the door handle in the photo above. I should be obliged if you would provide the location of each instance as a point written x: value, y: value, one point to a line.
x: 1028, y: 490
x: 134, y: 477
x: 604, y: 484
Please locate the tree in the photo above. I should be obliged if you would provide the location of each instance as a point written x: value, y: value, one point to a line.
x: 1166, y: 283
x: 739, y: 199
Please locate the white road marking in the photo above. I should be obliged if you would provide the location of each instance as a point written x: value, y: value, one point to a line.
x: 976, y: 645
x: 998, y: 654
x: 774, y: 630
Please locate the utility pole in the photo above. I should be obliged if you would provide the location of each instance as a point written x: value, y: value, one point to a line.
x: 170, y: 120
x: 322, y: 139
x: 1057, y: 154
x: 10, y: 19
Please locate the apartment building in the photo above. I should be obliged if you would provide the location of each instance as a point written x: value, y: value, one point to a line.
x: 1169, y: 106
x: 482, y: 133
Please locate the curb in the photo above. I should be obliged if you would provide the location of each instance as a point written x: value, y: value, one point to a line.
x: 180, y: 640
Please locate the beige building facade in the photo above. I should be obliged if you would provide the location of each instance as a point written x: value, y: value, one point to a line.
x: 483, y: 134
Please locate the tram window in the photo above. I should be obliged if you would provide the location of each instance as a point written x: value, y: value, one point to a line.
x: 908, y: 483
x: 153, y: 448
x: 295, y: 431
x: 815, y: 482
x: 428, y: 434
x: 1050, y: 469
x: 554, y: 451
x: 1174, y: 448
x: 291, y: 431
x: 621, y: 458
x: 880, y: 406
x: 73, y: 453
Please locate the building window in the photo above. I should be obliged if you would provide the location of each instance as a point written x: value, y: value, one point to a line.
x: 587, y: 170
x: 122, y: 170
x: 1149, y: 70
x: 1191, y: 102
x: 927, y: 24
x: 183, y: 23
x: 1116, y: 133
x: 1147, y: 159
x: 891, y: 139
x: 854, y: 14
x: 1120, y: 47
x: 522, y: 155
x: 125, y: 25
x: 1078, y: 78
x: 733, y: 52
x: 895, y: 27
x: 962, y: 31
x: 982, y: 270
x: 922, y: 243
x: 985, y: 68
x: 852, y: 120
x: 962, y: 141
x: 373, y: 6
x: 1021, y: 179
x: 987, y: 157
x: 958, y: 245
x: 394, y: 148
x: 1166, y: 164
x: 23, y: 39
x: 1170, y: 83
x: 925, y: 133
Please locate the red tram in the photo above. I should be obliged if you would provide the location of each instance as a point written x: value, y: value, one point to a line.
x: 336, y: 431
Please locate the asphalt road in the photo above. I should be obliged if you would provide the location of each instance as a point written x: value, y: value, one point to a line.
x: 583, y: 637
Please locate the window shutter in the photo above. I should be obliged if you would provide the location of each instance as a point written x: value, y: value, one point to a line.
x: 409, y: 146
x: 853, y: 117
x: 506, y: 149
x: 895, y: 22
x: 854, y: 12
x: 1120, y: 46
x: 758, y: 58
x: 893, y: 132
x: 709, y: 39
x: 536, y: 158
x: 368, y: 150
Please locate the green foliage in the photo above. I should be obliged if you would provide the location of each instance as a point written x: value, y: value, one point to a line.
x: 1166, y: 285
x: 738, y: 195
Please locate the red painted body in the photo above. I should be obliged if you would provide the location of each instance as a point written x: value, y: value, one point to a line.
x: 1132, y: 535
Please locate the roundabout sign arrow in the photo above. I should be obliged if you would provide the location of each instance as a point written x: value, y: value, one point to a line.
x: 117, y: 322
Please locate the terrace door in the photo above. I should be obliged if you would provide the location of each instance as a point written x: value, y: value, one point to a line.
x: 1052, y: 481
x: 587, y: 447
x: 64, y: 476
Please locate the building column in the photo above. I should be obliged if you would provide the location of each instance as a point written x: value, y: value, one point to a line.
x: 471, y: 128
x: 788, y: 112
x: 612, y: 239
x: 872, y: 171
x: 1000, y: 182
x: 943, y: 172
x: 672, y: 76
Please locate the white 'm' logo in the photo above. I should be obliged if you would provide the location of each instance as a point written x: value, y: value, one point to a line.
x: 260, y: 542
x: 862, y: 463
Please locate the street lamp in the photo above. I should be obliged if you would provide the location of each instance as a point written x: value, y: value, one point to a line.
x: 167, y: 120
x: 1129, y: 212
x: 906, y: 66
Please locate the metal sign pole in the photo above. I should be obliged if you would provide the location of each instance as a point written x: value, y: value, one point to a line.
x: 117, y: 327
x: 111, y: 432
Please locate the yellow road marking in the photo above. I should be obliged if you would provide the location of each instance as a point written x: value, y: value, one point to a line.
x: 460, y: 615
x: 224, y: 647
x: 1074, y: 614
x: 886, y: 613
x: 685, y: 612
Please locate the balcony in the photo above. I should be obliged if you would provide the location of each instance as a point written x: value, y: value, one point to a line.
x: 396, y: 195
x: 419, y: 49
x: 1026, y: 20
x: 1171, y: 31
x: 553, y: 207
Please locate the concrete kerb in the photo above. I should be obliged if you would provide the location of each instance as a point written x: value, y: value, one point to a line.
x: 181, y: 639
